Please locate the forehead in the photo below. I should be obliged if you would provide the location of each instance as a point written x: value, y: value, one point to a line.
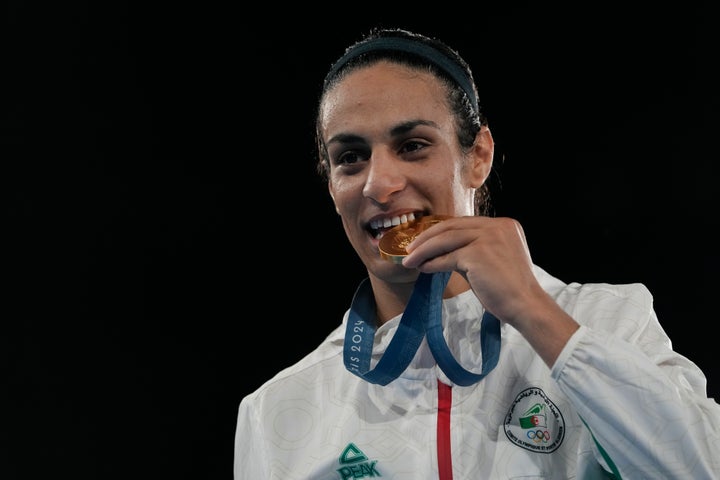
x: 384, y: 90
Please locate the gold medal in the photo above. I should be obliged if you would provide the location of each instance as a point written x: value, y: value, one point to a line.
x: 393, y: 242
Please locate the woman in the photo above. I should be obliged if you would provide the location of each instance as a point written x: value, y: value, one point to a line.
x: 458, y: 357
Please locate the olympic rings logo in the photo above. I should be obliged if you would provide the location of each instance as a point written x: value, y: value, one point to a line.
x: 538, y: 436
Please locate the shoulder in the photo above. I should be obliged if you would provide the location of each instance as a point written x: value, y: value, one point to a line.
x: 309, y: 371
x: 592, y: 292
x: 604, y: 304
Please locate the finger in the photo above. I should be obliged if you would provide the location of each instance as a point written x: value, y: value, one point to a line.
x: 437, y: 245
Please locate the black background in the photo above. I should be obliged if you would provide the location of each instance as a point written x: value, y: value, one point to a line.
x: 169, y: 246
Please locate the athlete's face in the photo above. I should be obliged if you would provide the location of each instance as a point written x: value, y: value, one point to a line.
x: 393, y: 152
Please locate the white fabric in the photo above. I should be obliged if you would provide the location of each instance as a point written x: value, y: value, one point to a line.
x: 645, y: 404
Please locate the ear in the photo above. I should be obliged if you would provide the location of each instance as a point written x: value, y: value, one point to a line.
x: 481, y: 157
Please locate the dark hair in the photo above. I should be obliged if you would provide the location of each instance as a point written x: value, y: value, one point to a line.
x: 422, y: 53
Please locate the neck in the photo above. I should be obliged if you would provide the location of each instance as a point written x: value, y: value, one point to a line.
x: 392, y: 298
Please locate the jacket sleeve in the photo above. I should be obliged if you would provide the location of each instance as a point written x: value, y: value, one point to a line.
x: 645, y: 405
x: 249, y: 460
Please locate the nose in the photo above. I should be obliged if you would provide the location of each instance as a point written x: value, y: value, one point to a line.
x: 385, y: 176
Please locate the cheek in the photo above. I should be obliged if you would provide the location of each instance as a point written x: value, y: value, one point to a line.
x: 346, y: 194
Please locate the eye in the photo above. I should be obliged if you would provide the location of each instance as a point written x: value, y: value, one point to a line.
x: 412, y: 146
x: 350, y: 157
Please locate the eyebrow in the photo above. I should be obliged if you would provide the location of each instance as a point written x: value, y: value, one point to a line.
x: 405, y: 127
x: 400, y: 129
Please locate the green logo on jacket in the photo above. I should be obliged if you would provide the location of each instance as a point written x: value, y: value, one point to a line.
x: 355, y: 464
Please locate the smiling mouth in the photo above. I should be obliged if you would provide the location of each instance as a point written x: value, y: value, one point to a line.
x: 377, y: 228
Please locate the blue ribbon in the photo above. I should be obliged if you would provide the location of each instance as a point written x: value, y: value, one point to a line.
x: 422, y: 316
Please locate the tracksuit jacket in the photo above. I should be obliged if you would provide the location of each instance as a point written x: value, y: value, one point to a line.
x: 617, y: 403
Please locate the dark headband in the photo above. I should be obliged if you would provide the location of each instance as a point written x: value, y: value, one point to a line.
x: 397, y: 44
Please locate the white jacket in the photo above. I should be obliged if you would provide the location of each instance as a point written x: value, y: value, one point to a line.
x: 618, y: 400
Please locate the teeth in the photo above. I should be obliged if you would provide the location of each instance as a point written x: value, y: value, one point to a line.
x: 391, y: 222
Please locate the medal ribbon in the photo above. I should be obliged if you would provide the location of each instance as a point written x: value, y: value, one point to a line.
x: 423, y: 315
